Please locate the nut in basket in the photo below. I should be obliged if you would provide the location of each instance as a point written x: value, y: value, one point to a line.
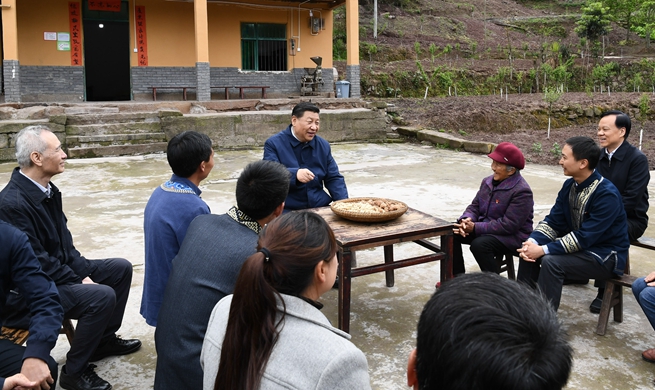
x: 368, y: 209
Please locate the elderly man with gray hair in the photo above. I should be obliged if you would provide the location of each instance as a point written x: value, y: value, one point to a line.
x: 94, y: 292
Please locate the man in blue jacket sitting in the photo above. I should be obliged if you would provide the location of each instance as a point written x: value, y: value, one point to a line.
x: 308, y: 158
x: 585, y: 235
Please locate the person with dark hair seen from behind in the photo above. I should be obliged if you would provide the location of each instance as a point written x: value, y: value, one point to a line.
x: 627, y: 168
x: 170, y: 210
x: 271, y: 334
x: 206, y: 269
x: 500, y: 217
x: 484, y: 332
x: 309, y: 160
x: 585, y: 235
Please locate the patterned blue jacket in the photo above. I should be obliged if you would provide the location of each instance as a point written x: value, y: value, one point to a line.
x: 587, y: 217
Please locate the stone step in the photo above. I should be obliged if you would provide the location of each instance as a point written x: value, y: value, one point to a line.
x: 116, y: 150
x: 114, y: 139
x: 114, y: 128
x: 112, y: 117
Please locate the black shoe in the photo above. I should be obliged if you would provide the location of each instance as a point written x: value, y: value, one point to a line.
x: 89, y: 380
x: 595, y: 305
x: 115, y: 347
x: 575, y: 281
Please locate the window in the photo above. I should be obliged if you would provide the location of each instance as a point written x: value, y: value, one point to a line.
x: 263, y: 46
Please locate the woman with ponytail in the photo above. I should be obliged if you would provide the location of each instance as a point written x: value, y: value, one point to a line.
x: 270, y: 334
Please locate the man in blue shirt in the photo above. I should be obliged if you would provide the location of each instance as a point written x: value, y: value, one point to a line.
x: 20, y: 270
x: 170, y: 210
x: 308, y: 158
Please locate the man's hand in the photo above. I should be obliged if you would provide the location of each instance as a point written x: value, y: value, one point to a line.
x: 304, y: 175
x: 529, y: 251
x: 464, y: 227
x: 37, y: 370
x: 650, y: 279
x: 19, y: 381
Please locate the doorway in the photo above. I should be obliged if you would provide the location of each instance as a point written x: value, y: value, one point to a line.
x: 106, y: 54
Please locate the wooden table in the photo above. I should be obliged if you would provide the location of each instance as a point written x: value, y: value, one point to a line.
x: 413, y: 226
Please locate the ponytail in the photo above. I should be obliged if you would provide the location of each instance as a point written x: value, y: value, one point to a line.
x: 289, y: 249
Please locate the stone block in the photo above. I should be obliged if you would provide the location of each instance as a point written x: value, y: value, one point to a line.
x: 478, y: 147
x: 4, y: 141
x: 436, y: 137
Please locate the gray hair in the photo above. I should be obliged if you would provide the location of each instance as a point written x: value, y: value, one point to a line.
x: 29, y: 140
x: 509, y: 168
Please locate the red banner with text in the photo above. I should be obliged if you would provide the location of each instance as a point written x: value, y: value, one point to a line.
x: 141, y: 36
x: 105, y: 5
x: 74, y: 20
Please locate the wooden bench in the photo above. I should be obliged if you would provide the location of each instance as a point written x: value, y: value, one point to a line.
x: 154, y: 91
x: 613, y: 297
x: 19, y: 336
x: 241, y: 88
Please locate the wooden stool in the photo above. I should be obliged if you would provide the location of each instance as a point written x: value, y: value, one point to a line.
x: 19, y: 336
x: 613, y: 297
x: 506, y: 264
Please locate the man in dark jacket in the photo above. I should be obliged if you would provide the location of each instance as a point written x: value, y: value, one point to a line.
x: 20, y: 272
x: 627, y: 168
x: 94, y: 292
x: 308, y: 158
x: 585, y: 235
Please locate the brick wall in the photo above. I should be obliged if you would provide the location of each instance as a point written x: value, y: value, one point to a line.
x: 11, y: 75
x: 49, y: 83
x: 282, y: 84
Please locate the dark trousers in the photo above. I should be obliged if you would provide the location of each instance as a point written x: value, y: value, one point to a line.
x: 635, y: 231
x: 98, y: 309
x: 484, y: 249
x: 550, y: 271
x: 11, y: 360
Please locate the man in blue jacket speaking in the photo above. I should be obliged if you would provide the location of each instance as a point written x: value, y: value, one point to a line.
x: 308, y: 158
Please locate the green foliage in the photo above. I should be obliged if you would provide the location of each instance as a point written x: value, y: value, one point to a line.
x: 556, y: 150
x: 368, y: 48
x: 602, y: 74
x: 551, y: 95
x: 417, y: 49
x: 644, y: 107
x: 433, y: 51
x: 594, y: 21
x: 339, y: 51
x: 536, y: 148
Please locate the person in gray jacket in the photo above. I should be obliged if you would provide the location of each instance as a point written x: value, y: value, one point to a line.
x: 271, y: 334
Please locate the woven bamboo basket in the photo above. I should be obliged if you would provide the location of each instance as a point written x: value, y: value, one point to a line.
x: 362, y: 216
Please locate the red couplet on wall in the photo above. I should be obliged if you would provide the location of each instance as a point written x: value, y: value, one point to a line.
x: 74, y: 19
x: 141, y: 35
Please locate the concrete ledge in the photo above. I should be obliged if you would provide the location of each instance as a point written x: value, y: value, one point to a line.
x: 439, y: 138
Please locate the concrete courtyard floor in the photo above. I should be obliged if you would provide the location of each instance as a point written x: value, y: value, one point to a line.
x: 104, y: 200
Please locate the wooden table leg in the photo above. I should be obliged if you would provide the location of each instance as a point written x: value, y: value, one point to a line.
x: 447, y: 264
x: 263, y: 93
x: 227, y: 93
x: 240, y: 93
x: 344, y: 289
x: 184, y: 93
x: 388, y: 258
x: 154, y: 94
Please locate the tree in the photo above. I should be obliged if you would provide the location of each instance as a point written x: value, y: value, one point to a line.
x: 645, y: 19
x: 594, y: 23
x: 622, y: 12
x: 551, y: 95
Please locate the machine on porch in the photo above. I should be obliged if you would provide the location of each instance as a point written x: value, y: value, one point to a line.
x: 312, y: 78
